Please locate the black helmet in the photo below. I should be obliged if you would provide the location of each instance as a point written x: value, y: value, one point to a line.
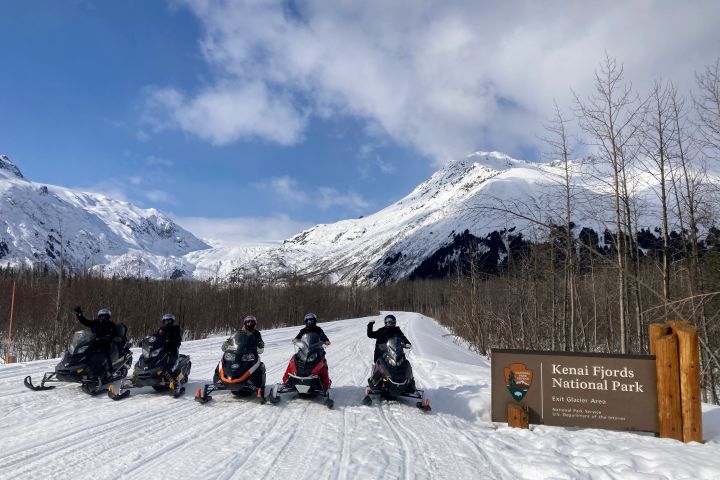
x: 390, y: 321
x: 168, y: 319
x: 250, y: 321
x: 310, y: 319
x: 104, y: 314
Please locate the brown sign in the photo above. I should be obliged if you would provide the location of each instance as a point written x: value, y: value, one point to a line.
x: 615, y: 392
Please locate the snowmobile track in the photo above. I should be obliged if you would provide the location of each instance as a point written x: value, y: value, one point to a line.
x: 64, y: 433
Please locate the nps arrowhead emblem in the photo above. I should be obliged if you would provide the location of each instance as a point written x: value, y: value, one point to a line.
x: 518, y: 379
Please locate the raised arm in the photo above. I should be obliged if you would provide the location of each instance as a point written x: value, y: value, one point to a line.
x: 81, y: 318
x: 370, y: 332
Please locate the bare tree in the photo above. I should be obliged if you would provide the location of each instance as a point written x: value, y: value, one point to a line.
x: 609, y: 118
x: 658, y: 130
x: 558, y: 141
x: 707, y: 104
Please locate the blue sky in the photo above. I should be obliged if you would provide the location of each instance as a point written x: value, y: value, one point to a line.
x: 272, y: 116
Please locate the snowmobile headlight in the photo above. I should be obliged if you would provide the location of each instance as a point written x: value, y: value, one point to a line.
x: 312, y: 357
x: 229, y: 356
x: 248, y: 357
x: 82, y: 349
x: 391, y: 361
x: 155, y: 353
x: 235, y: 366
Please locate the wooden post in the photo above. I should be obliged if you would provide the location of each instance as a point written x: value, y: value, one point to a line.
x: 9, y: 357
x: 517, y: 415
x: 689, y: 355
x: 668, y: 387
x: 655, y: 331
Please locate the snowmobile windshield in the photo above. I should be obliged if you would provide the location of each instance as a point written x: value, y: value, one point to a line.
x: 394, y: 351
x: 80, y: 341
x: 309, y: 347
x: 241, y: 343
x: 152, y: 346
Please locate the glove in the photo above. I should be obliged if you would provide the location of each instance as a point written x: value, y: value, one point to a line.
x: 78, y: 311
x: 371, y: 322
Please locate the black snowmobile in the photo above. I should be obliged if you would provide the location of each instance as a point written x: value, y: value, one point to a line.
x: 85, y: 363
x: 307, y: 372
x: 239, y: 370
x: 392, y: 376
x: 156, y: 368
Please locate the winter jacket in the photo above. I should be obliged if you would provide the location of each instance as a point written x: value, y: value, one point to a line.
x: 383, y: 334
x: 313, y: 329
x: 173, y: 336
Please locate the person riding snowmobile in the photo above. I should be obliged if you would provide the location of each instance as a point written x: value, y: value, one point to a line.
x: 382, y: 334
x: 307, y: 371
x: 104, y: 330
x: 311, y: 327
x: 172, y: 334
x: 248, y: 328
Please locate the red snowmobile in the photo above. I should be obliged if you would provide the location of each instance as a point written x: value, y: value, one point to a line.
x: 307, y: 372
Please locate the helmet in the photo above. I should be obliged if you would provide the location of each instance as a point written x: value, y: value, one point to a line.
x: 168, y: 319
x: 390, y: 321
x: 250, y: 321
x: 104, y: 314
x: 310, y: 319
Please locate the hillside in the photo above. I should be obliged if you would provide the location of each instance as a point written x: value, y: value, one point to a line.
x: 41, y: 223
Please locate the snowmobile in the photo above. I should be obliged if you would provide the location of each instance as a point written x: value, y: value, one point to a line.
x: 392, y: 376
x: 156, y: 368
x: 85, y: 363
x: 307, y: 372
x: 239, y: 370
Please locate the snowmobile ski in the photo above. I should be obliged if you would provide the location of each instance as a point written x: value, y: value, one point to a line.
x: 117, y: 393
x: 29, y: 384
x: 424, y: 405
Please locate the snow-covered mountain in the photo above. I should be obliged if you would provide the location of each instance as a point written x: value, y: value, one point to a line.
x: 421, y: 235
x: 39, y: 223
x: 473, y: 194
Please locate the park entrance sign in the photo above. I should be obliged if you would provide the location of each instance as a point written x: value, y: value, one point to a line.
x: 617, y: 392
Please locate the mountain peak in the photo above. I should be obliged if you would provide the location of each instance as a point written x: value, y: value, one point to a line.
x: 7, y: 166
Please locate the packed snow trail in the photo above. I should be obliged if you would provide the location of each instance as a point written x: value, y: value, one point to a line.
x: 64, y: 433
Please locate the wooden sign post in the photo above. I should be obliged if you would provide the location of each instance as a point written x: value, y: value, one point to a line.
x: 677, y: 358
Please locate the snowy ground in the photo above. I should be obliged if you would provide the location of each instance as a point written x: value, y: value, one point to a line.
x: 64, y: 433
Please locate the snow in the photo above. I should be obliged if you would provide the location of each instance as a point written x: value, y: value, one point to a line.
x: 64, y: 433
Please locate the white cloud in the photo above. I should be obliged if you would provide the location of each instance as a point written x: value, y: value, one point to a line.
x: 445, y: 77
x: 154, y: 161
x: 243, y: 231
x: 225, y: 113
x: 324, y: 198
x: 159, y: 196
x: 135, y: 180
x: 329, y: 197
